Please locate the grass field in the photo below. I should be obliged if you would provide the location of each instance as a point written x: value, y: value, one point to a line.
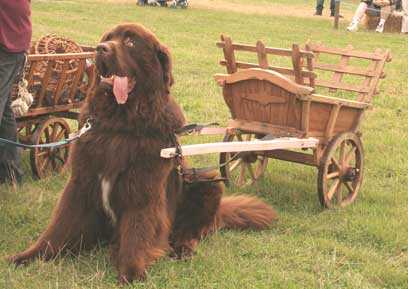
x: 362, y: 246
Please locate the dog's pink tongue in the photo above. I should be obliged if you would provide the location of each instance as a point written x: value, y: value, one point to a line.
x: 120, y: 89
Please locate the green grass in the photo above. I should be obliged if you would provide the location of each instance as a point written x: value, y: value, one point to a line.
x: 362, y: 246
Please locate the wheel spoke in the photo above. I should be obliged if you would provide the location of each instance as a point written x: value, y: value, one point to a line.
x: 47, y: 135
x: 49, y: 168
x: 60, y: 158
x: 241, y: 174
x: 44, y: 164
x: 235, y: 165
x: 349, y: 155
x: 251, y: 172
x: 41, y: 153
x: 332, y: 175
x: 340, y: 194
x: 341, y: 154
x: 54, y: 131
x: 335, y: 162
x: 60, y: 134
x: 333, y: 189
x: 349, y: 187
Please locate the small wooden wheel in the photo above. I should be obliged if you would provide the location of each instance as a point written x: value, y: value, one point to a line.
x: 341, y: 171
x: 246, y: 167
x: 46, y: 160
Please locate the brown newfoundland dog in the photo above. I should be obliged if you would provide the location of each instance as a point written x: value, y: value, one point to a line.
x: 121, y: 190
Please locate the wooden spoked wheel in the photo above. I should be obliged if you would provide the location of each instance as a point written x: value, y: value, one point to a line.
x: 25, y: 133
x: 341, y: 171
x: 46, y: 160
x: 246, y: 167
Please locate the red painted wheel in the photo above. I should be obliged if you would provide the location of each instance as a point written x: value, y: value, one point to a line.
x: 341, y: 171
x: 46, y: 160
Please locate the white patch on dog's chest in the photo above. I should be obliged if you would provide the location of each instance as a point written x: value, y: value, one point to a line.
x: 106, y: 187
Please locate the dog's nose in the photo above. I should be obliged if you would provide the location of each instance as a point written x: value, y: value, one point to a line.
x: 103, y: 48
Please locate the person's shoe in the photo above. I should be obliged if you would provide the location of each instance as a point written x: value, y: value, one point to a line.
x: 353, y: 27
x: 380, y: 28
x: 332, y: 15
x: 318, y: 13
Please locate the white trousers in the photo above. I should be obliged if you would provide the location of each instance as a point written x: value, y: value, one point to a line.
x: 404, y: 28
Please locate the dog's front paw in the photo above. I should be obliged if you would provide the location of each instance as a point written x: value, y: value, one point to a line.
x: 19, y: 259
x: 127, y: 279
x: 184, y: 250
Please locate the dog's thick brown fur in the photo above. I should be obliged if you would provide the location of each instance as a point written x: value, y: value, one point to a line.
x: 120, y: 189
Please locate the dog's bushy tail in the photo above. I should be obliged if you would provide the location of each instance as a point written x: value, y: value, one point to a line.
x: 244, y: 212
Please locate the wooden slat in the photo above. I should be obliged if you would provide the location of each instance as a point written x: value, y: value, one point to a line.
x: 374, y: 82
x: 262, y: 58
x: 309, y: 65
x: 338, y: 101
x: 297, y: 64
x: 45, y: 81
x: 47, y: 57
x: 346, y: 52
x: 30, y: 77
x: 52, y: 109
x: 338, y: 76
x: 61, y: 81
x: 229, y: 54
x: 244, y: 146
x: 282, y: 70
x: 305, y: 115
x: 332, y: 121
x: 345, y: 69
x: 268, y: 50
x: 78, y: 77
x: 262, y: 74
x: 264, y: 128
x: 292, y: 156
x: 342, y: 86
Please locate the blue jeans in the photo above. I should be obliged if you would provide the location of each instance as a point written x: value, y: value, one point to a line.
x: 11, y: 65
x: 319, y: 6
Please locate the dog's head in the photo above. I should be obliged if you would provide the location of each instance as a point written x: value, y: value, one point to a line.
x: 131, y: 60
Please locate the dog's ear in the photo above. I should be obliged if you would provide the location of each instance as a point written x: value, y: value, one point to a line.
x: 165, y: 60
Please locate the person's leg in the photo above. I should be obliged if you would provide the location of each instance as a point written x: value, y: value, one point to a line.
x: 332, y: 7
x: 404, y: 27
x: 385, y: 13
x: 319, y: 7
x: 362, y: 8
x: 10, y: 66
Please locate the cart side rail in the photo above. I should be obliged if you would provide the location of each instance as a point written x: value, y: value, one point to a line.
x: 297, y: 56
x: 58, y: 80
x: 349, y: 70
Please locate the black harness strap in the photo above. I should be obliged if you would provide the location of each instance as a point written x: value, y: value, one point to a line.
x: 192, y: 128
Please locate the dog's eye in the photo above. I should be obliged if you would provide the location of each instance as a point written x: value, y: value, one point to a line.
x: 129, y: 42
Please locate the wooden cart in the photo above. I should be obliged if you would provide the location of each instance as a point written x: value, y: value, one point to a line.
x: 59, y: 84
x: 276, y: 113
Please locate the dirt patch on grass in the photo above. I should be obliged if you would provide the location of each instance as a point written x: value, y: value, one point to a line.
x: 303, y: 10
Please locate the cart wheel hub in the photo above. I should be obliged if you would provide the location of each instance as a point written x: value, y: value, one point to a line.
x: 249, y: 158
x: 350, y: 174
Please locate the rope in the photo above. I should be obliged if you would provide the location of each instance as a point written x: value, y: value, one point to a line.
x: 24, y: 98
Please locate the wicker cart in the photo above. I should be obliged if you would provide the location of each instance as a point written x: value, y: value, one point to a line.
x: 276, y: 113
x: 59, y: 83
